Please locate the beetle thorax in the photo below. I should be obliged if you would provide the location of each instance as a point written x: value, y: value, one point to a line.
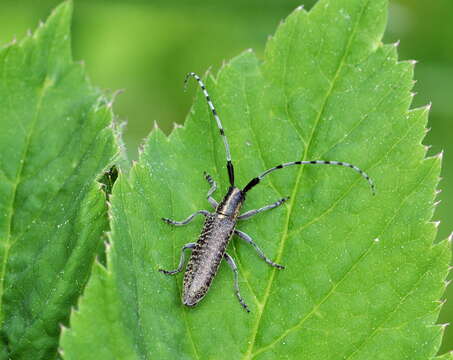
x: 231, y: 203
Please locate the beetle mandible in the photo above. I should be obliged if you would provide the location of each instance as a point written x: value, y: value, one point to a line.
x: 219, y: 226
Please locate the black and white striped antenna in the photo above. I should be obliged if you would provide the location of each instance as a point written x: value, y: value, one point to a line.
x: 256, y: 180
x: 219, y: 124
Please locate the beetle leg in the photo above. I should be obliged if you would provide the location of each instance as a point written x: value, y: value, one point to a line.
x: 188, y: 220
x: 211, y: 191
x: 233, y: 266
x: 248, y: 239
x: 181, y: 260
x: 250, y: 213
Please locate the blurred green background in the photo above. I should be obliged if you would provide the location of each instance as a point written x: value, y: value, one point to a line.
x: 146, y: 48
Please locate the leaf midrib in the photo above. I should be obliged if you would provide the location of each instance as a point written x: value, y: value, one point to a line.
x: 260, y: 155
x: 70, y: 211
x: 249, y: 352
x: 42, y: 92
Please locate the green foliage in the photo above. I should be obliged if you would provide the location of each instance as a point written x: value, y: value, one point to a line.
x: 55, y: 138
x: 362, y: 276
x: 448, y: 356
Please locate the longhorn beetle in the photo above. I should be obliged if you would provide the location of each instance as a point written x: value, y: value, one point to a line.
x: 219, y: 226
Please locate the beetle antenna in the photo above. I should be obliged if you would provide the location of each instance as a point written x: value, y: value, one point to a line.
x: 256, y: 180
x: 219, y: 124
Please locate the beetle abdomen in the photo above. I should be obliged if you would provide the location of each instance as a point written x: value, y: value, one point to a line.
x: 206, y: 257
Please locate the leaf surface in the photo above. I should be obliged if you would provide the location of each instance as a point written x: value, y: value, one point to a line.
x: 448, y: 356
x: 362, y: 273
x: 55, y: 140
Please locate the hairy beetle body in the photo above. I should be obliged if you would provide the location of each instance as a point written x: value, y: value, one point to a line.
x: 210, y: 248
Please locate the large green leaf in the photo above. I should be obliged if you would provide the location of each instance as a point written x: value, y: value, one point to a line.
x: 55, y: 139
x: 362, y: 273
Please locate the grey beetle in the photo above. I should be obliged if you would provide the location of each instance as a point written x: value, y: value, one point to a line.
x: 219, y: 226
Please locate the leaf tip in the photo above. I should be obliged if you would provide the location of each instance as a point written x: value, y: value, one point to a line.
x: 108, y: 248
x: 63, y: 328
x: 176, y: 126
x: 134, y: 163
x: 113, y: 97
x: 64, y: 10
x: 65, y: 5
x: 141, y: 149
x: 436, y: 223
x: 440, y: 302
x: 450, y: 237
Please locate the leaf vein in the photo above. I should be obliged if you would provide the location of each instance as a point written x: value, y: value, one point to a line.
x: 331, y: 292
x: 16, y: 182
x: 336, y: 202
x: 249, y: 352
x: 371, y: 335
